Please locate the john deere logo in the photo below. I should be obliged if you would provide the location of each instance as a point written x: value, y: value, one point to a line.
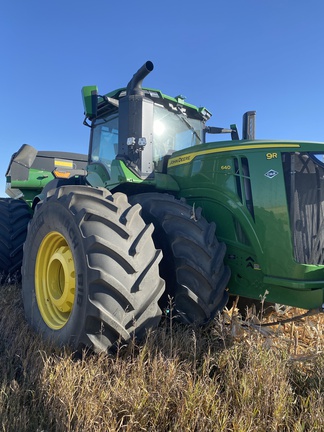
x: 271, y: 173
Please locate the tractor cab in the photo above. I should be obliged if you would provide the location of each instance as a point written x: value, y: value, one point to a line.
x: 141, y: 127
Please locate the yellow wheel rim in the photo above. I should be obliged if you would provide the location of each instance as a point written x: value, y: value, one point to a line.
x: 55, y: 280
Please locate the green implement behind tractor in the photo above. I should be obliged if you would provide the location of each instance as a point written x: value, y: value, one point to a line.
x: 113, y: 236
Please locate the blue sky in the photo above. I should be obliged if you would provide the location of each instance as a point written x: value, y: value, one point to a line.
x: 229, y: 56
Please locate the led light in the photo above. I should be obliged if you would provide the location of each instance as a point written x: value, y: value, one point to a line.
x: 131, y: 141
x: 142, y: 142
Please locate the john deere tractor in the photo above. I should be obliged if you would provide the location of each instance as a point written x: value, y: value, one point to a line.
x: 113, y: 236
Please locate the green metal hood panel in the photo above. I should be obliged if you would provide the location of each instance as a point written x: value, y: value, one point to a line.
x: 240, y: 185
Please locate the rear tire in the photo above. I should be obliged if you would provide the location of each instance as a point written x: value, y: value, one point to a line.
x: 14, y: 218
x: 193, y: 259
x: 90, y: 269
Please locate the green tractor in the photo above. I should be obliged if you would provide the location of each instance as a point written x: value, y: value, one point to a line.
x: 113, y: 236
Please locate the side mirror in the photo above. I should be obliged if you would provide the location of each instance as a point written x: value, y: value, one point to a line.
x: 90, y: 101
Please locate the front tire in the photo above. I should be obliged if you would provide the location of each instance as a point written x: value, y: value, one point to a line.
x: 90, y: 269
x: 193, y: 259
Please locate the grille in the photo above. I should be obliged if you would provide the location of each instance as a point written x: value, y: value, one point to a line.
x: 304, y: 178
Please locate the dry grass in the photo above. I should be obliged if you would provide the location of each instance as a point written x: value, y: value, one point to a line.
x: 231, y: 376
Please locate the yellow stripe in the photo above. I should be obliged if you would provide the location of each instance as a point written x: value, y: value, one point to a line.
x: 190, y: 156
x: 61, y: 163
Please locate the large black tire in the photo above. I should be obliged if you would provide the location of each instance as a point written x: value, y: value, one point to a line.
x: 90, y: 273
x: 193, y: 259
x: 14, y: 218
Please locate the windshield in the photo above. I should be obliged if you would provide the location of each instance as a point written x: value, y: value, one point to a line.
x: 173, y: 131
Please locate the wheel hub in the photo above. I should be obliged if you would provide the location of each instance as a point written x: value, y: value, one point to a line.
x: 60, y: 279
x: 55, y: 280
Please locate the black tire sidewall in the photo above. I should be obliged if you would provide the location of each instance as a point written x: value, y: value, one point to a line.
x: 198, y: 292
x: 15, y: 216
x: 53, y: 216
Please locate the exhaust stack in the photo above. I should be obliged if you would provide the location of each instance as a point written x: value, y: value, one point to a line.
x: 135, y: 138
x: 134, y: 87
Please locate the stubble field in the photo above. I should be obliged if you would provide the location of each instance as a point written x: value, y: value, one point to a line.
x: 232, y: 375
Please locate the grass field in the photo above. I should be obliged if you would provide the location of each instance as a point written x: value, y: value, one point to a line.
x: 232, y: 375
